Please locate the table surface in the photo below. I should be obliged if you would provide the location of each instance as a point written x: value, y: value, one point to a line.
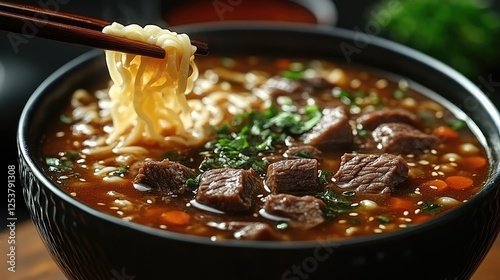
x: 34, y: 262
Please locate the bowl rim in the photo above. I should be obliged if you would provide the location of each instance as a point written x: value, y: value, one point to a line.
x: 74, y: 64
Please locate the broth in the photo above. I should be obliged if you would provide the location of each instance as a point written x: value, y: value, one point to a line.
x: 439, y: 177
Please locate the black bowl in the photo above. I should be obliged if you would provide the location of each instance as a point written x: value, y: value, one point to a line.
x: 88, y: 244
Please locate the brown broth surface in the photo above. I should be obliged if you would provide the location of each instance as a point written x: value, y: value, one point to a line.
x: 458, y: 156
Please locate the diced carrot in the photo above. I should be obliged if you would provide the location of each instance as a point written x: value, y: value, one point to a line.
x: 283, y: 63
x: 421, y: 218
x: 176, y: 217
x: 475, y: 162
x: 154, y: 211
x: 445, y: 132
x: 435, y: 185
x: 459, y: 182
x: 399, y: 203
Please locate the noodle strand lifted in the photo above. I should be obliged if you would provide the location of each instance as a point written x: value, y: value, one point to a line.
x: 148, y: 95
x: 152, y: 104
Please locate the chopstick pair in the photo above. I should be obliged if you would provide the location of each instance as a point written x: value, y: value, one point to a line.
x: 76, y: 29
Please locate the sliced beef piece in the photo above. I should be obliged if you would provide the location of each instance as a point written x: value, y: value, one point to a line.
x: 304, y: 212
x: 247, y: 230
x: 280, y: 86
x: 256, y: 231
x: 403, y: 139
x: 277, y: 86
x: 230, y: 190
x: 274, y: 158
x: 293, y: 176
x: 371, y: 174
x: 305, y: 151
x: 167, y: 177
x: 316, y: 83
x: 387, y: 115
x: 332, y: 132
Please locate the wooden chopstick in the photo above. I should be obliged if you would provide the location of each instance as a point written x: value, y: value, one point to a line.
x: 77, y: 29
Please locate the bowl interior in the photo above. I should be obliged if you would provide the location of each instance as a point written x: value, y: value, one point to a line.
x: 336, y: 44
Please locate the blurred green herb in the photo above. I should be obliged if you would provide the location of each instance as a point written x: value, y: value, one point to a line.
x: 120, y: 171
x: 464, y: 34
x: 324, y: 176
x: 457, y: 124
x: 399, y: 94
x: 431, y: 207
x: 383, y: 219
x: 193, y: 183
x: 296, y: 71
x: 58, y: 165
x: 334, y: 204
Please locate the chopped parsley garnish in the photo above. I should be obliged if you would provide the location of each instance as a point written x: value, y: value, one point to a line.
x: 294, y: 123
x: 58, y: 165
x: 193, y: 183
x: 431, y: 207
x: 334, y: 204
x: 457, y: 124
x: 178, y: 156
x: 359, y: 98
x: 296, y: 72
x: 293, y: 75
x: 363, y: 133
x: 242, y: 144
x: 323, y: 176
x: 427, y: 117
x: 120, y: 172
x: 303, y: 154
x: 383, y: 219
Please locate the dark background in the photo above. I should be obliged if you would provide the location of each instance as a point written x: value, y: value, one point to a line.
x: 23, y: 68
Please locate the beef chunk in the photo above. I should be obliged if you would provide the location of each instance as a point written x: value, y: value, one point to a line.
x: 168, y: 177
x: 247, y: 230
x: 316, y: 83
x: 403, y: 139
x: 281, y: 85
x: 295, y: 152
x: 229, y: 190
x: 297, y: 90
x: 256, y: 231
x: 277, y: 86
x: 371, y: 174
x: 333, y: 131
x: 293, y: 176
x: 306, y: 151
x: 387, y: 115
x: 304, y: 212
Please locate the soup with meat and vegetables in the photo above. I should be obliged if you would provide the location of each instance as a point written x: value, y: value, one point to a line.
x: 263, y: 148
